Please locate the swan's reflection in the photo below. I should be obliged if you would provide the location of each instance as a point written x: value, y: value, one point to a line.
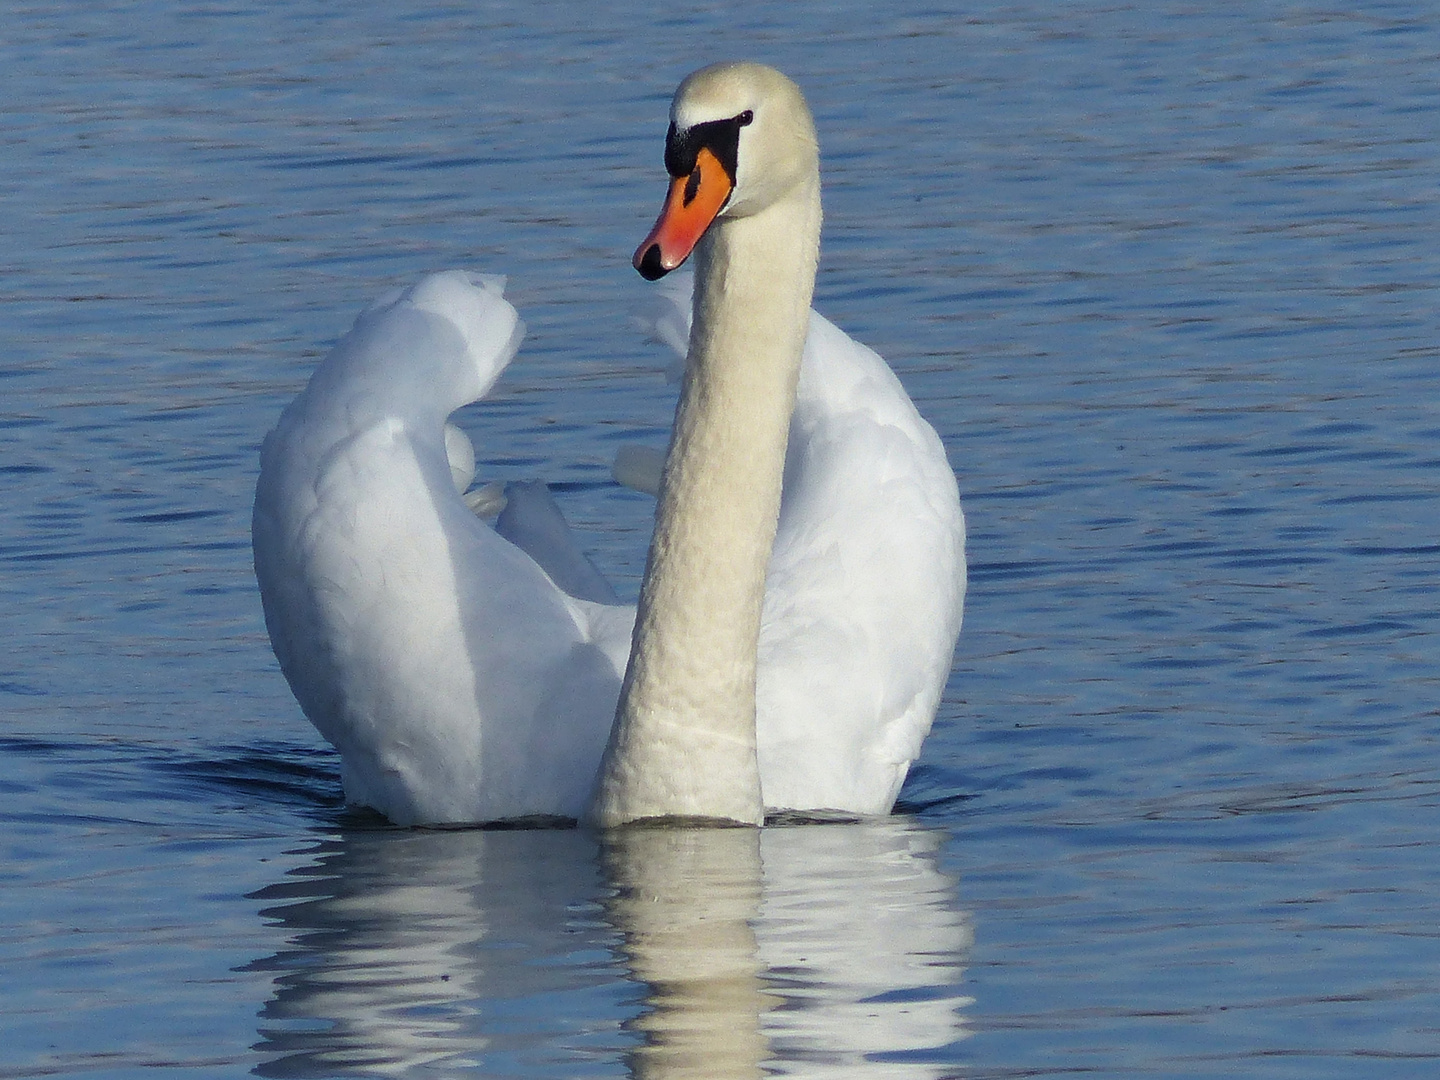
x: 817, y: 951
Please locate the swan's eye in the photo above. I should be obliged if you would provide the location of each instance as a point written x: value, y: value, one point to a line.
x: 746, y: 118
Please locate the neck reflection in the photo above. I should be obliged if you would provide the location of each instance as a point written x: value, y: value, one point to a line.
x: 685, y: 902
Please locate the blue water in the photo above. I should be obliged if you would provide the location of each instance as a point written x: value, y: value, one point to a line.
x: 1164, y: 277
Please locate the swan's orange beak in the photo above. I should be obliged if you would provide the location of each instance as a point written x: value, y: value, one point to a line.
x: 690, y: 207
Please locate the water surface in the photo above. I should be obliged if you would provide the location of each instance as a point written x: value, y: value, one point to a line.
x: 1163, y: 277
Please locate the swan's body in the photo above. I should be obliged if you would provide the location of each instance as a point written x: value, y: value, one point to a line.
x: 461, y: 683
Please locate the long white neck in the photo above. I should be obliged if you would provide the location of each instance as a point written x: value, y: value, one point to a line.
x: 683, y: 744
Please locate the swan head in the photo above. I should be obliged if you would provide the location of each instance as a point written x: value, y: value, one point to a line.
x: 741, y: 138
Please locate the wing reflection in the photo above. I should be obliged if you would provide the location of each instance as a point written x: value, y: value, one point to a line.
x: 822, y: 951
x: 453, y: 948
x: 861, y: 940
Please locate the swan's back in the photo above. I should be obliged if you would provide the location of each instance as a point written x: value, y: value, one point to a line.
x: 461, y: 684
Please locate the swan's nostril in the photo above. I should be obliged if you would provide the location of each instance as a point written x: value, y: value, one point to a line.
x: 651, y: 265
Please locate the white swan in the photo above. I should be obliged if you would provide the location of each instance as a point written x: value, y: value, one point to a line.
x: 789, y: 651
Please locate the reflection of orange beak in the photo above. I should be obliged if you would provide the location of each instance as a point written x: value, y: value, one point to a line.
x: 689, y: 209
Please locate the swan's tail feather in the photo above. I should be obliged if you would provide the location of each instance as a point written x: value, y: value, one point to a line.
x: 532, y: 522
x: 639, y: 468
x: 460, y: 452
x: 487, y: 500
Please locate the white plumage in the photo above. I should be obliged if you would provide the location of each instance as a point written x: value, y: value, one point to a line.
x: 457, y: 682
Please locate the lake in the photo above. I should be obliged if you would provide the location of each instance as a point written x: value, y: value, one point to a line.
x: 1164, y: 278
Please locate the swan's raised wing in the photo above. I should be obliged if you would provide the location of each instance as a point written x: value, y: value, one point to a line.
x: 865, y: 587
x: 457, y: 681
x: 866, y: 583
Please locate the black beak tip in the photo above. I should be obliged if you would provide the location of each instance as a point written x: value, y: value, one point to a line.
x: 650, y: 266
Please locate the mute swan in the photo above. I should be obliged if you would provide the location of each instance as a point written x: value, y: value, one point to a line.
x: 789, y: 650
